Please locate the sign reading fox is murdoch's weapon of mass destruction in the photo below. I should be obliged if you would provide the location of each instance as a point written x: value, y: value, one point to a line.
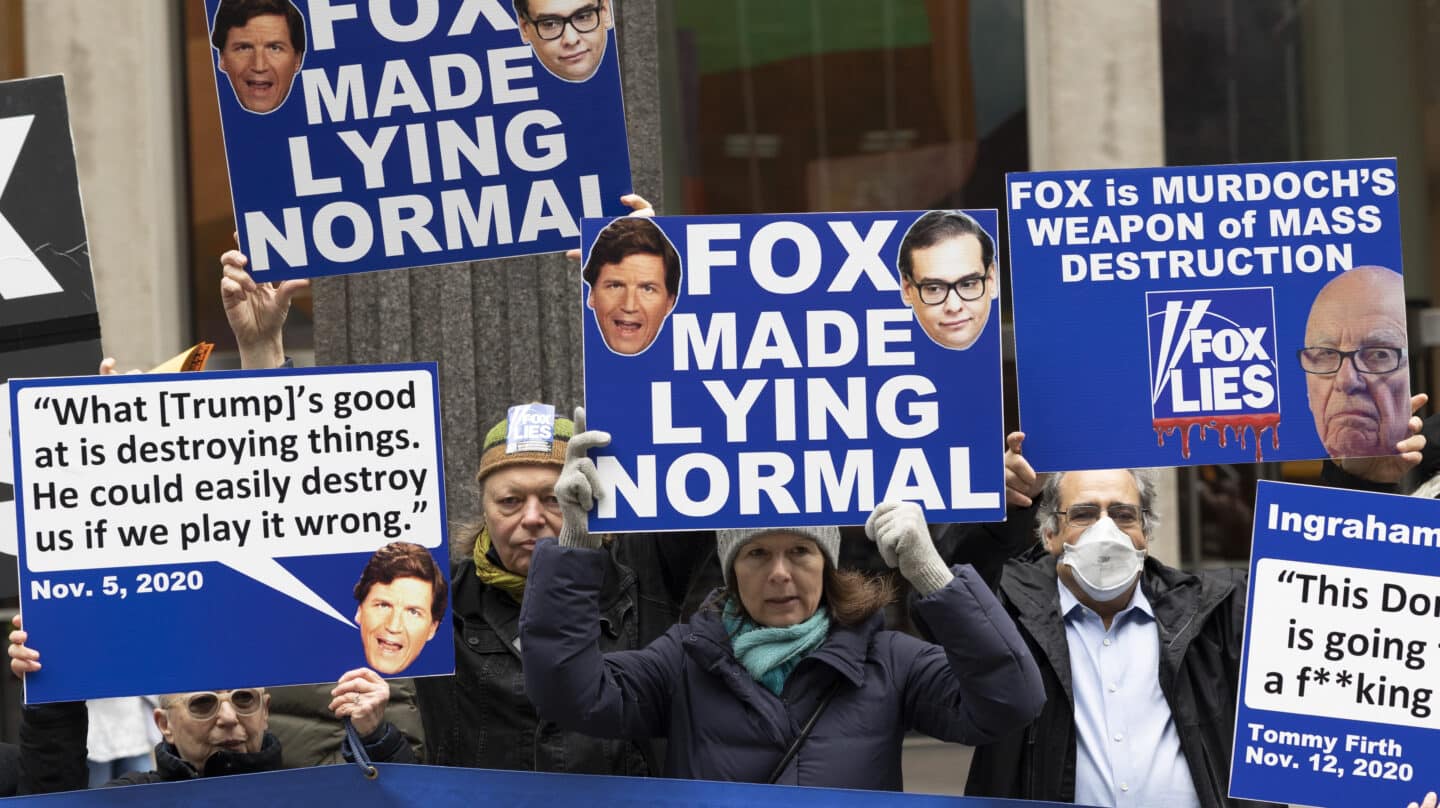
x: 235, y: 529
x: 1337, y: 692
x: 767, y: 371
x: 377, y: 135
x: 1209, y: 314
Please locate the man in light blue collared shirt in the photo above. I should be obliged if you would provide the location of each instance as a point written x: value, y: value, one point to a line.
x: 1140, y: 661
x: 1127, y: 750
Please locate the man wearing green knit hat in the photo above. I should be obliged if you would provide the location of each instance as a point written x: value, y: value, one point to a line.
x: 481, y: 716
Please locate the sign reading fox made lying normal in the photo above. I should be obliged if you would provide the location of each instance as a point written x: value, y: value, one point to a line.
x: 770, y: 371
x: 1209, y: 314
x: 379, y: 135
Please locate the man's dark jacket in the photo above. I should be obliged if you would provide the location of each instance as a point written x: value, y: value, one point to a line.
x: 481, y: 717
x: 1200, y: 620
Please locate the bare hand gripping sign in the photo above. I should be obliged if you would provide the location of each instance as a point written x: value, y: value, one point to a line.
x: 158, y: 510
x: 377, y: 134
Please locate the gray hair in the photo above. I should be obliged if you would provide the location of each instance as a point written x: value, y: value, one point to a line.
x: 1048, y: 522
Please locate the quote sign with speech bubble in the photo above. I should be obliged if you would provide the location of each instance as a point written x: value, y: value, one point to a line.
x: 204, y: 531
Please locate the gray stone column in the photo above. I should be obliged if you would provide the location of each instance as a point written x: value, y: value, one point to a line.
x: 121, y: 60
x: 503, y: 332
x: 1096, y: 100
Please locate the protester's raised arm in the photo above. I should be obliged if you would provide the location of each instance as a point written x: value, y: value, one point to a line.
x: 256, y: 311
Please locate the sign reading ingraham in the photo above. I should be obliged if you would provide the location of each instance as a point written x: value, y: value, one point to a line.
x: 793, y: 369
x: 380, y: 135
x: 1337, y: 687
x: 1209, y: 314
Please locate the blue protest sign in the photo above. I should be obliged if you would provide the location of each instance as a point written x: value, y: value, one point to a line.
x: 363, y: 136
x: 1336, y: 691
x: 239, y: 529
x: 1208, y: 314
x: 769, y: 371
x: 402, y: 785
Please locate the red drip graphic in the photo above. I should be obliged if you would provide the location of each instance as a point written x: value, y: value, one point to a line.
x: 1237, y: 424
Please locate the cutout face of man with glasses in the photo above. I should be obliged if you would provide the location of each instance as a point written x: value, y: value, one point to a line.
x: 1357, y: 365
x: 568, y: 36
x: 947, y: 275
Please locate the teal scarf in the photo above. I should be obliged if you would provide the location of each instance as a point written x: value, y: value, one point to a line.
x: 771, y: 654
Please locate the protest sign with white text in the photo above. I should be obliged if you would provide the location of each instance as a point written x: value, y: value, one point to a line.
x: 364, y: 135
x: 1209, y: 314
x: 203, y: 531
x: 764, y: 371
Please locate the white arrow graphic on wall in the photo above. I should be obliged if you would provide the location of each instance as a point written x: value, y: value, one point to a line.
x: 21, y: 273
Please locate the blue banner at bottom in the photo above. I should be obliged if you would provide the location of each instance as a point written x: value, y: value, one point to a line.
x: 438, y: 785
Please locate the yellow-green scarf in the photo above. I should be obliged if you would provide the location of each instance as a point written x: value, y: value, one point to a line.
x: 493, y: 574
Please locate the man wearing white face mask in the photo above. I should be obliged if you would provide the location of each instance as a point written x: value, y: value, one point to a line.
x: 1140, y: 661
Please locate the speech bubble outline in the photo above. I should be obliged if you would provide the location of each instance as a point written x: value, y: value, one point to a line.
x: 32, y: 431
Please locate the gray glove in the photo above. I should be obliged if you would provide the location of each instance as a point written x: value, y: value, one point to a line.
x: 577, y: 485
x: 903, y: 539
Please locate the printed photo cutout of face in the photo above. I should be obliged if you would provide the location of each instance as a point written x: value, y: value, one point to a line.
x: 947, y: 277
x: 634, y: 275
x: 400, y: 597
x: 1356, y: 363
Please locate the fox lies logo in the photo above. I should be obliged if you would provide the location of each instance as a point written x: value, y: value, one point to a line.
x: 1212, y: 365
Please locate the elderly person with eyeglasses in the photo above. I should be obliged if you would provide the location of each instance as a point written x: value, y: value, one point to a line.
x: 204, y: 734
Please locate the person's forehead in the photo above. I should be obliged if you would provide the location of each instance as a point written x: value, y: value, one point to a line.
x: 948, y: 260
x: 261, y: 26
x: 780, y: 539
x: 1106, y: 487
x: 635, y: 267
x: 1364, y: 318
x: 406, y: 585
x: 522, y: 478
x: 559, y: 8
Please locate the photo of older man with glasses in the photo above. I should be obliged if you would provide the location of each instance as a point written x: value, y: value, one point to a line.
x: 568, y: 36
x: 1356, y: 363
x: 947, y: 275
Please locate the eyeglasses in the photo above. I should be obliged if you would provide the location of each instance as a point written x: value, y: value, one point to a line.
x: 551, y: 27
x: 933, y: 293
x: 1124, y: 516
x: 204, y: 706
x: 1378, y: 359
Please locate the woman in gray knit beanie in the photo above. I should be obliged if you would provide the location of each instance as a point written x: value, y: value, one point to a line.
x: 791, y: 677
